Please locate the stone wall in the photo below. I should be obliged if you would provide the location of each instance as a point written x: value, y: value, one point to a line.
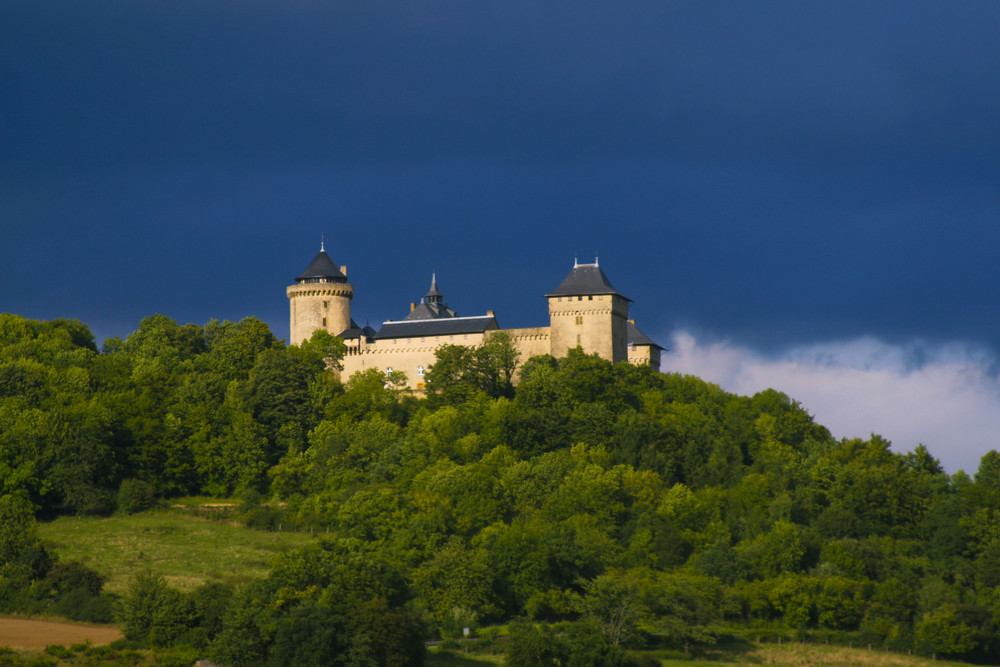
x: 413, y: 356
x: 315, y: 306
x: 596, y: 323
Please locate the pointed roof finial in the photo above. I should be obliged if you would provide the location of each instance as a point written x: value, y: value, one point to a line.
x: 434, y: 294
x: 596, y: 260
x: 322, y: 242
x: 575, y: 262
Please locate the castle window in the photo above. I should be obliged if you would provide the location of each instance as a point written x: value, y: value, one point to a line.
x: 324, y: 321
x: 590, y: 298
x: 579, y: 298
x: 578, y: 340
x: 579, y: 319
x: 420, y: 370
x: 326, y: 304
x: 388, y: 370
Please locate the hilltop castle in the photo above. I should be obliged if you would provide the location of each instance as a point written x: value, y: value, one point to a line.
x: 584, y: 311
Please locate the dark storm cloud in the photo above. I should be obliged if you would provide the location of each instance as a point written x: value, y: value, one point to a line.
x: 333, y: 81
x: 770, y: 172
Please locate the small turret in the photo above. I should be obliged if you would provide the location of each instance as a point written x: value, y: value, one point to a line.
x: 434, y: 295
x: 432, y: 306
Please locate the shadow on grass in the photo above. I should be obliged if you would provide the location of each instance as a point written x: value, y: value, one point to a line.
x: 449, y: 659
x: 728, y: 649
x: 727, y: 646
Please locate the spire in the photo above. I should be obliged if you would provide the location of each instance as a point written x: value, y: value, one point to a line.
x: 434, y: 295
x: 432, y: 305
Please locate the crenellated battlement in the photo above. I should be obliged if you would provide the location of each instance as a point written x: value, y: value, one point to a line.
x: 585, y: 311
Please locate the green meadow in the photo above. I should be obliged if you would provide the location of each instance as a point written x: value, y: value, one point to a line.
x: 187, y: 550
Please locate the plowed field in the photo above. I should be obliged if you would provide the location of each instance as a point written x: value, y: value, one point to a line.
x: 23, y: 634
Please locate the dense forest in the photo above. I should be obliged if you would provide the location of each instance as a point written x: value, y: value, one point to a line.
x: 592, y: 507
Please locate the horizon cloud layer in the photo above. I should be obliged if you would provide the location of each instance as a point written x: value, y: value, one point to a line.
x: 946, y: 397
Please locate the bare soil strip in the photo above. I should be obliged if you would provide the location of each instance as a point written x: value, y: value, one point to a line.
x: 24, y: 634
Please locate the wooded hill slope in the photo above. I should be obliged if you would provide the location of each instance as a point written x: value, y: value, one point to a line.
x: 656, y: 507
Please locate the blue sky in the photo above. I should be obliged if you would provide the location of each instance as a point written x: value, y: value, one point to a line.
x: 803, y: 195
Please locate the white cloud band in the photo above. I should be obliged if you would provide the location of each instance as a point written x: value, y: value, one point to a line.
x: 945, y: 396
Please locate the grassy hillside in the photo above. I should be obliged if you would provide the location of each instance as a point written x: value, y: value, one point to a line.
x: 188, y: 551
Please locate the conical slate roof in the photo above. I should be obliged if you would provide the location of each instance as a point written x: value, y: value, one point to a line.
x: 585, y: 279
x: 322, y: 267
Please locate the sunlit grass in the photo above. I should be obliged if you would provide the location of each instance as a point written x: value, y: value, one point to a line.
x: 794, y: 655
x: 458, y: 659
x: 187, y: 550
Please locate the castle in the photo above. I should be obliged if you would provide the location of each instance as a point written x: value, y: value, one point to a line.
x: 584, y: 311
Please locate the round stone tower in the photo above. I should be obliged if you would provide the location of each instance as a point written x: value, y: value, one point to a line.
x: 319, y: 299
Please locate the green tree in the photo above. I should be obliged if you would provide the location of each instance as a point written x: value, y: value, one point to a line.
x: 946, y: 632
x: 531, y: 646
x: 614, y: 602
x: 233, y: 346
x: 459, y: 371
x: 457, y: 576
x: 152, y: 613
x: 311, y: 634
x: 278, y: 390
x: 18, y: 531
x: 381, y: 635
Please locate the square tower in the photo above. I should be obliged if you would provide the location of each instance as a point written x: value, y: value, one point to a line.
x: 586, y: 311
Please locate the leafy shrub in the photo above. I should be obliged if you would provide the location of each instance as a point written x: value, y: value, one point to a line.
x: 135, y: 495
x: 79, y: 605
x: 263, y: 518
x: 59, y: 651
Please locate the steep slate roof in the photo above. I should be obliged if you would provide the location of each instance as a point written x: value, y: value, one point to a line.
x: 635, y: 337
x: 443, y: 326
x: 432, y: 306
x: 583, y: 280
x: 322, y: 267
x: 430, y: 311
x: 356, y: 332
